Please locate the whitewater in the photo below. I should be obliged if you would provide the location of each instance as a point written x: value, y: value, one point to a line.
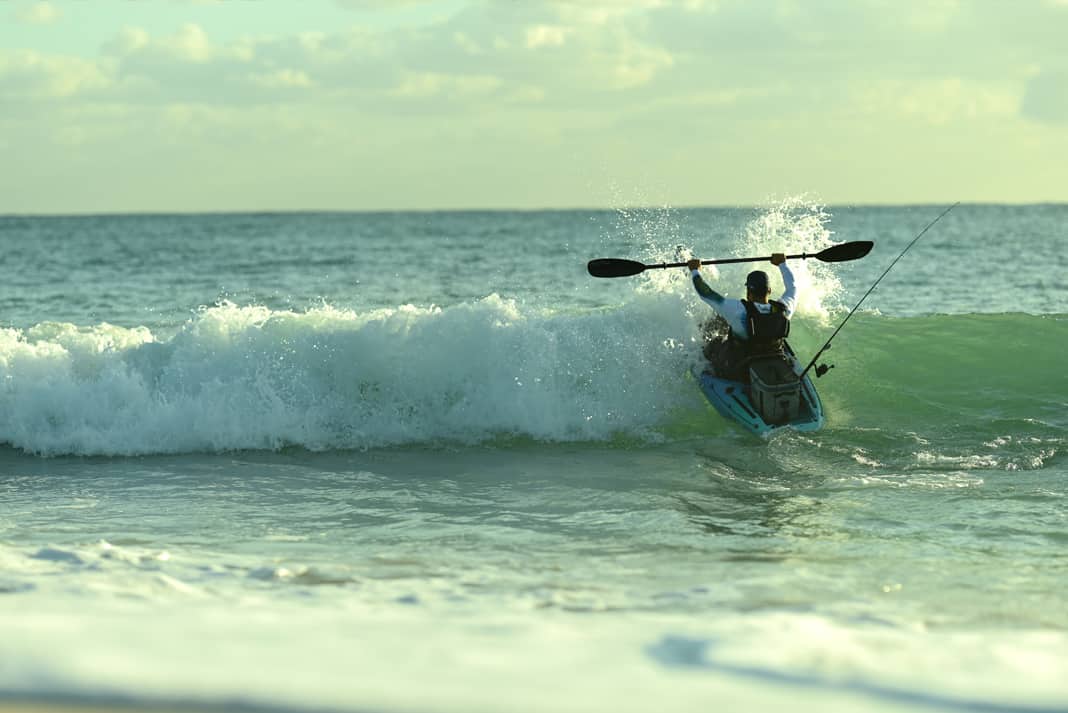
x: 423, y: 462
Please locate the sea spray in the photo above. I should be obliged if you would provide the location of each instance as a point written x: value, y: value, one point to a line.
x: 793, y: 225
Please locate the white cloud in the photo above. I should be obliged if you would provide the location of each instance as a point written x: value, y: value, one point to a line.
x: 41, y: 13
x: 593, y: 13
x: 616, y: 59
x: 380, y: 4
x: 430, y: 84
x: 130, y: 39
x: 937, y: 101
x: 34, y: 75
x: 282, y: 79
x: 545, y: 36
x: 555, y: 52
x: 190, y: 44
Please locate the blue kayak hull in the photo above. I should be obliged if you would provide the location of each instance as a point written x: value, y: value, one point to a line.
x: 731, y: 398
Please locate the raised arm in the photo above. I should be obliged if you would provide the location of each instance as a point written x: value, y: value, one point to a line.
x: 707, y: 293
x: 789, y: 295
x: 729, y: 308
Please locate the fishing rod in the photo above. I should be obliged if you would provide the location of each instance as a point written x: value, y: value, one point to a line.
x: 823, y: 368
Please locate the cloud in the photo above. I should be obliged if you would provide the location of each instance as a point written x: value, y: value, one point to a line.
x: 380, y: 4
x: 935, y: 102
x: 554, y: 52
x: 568, y: 51
x: 613, y: 59
x: 187, y: 66
x: 765, y: 40
x: 28, y: 75
x: 434, y: 85
x: 545, y: 36
x: 41, y: 13
x: 282, y: 79
x: 189, y: 44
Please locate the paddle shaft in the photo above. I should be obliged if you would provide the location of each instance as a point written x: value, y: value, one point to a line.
x: 727, y: 261
x: 614, y: 267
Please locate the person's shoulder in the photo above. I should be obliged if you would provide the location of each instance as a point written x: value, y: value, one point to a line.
x: 737, y: 304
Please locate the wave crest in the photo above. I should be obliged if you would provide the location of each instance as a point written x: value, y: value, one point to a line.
x: 249, y: 378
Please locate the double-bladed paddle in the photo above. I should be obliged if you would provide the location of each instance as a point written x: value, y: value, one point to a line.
x: 614, y: 267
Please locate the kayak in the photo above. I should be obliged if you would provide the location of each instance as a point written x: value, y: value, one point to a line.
x: 774, y: 400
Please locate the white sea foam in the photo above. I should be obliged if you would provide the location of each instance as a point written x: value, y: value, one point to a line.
x: 238, y: 377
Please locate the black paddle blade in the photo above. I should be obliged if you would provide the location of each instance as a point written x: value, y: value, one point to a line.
x: 845, y: 251
x: 613, y: 267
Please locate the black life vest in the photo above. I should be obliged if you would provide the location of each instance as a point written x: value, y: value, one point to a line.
x: 766, y: 331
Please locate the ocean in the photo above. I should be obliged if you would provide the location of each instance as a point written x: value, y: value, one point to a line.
x: 424, y: 462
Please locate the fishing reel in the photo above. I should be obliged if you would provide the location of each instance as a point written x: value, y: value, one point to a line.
x: 822, y: 368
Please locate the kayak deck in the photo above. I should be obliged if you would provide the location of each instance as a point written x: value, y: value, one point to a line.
x: 733, y: 400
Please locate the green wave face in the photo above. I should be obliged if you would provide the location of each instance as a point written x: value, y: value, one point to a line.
x: 951, y: 370
x: 940, y: 394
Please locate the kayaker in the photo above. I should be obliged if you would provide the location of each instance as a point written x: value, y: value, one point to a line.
x: 757, y: 325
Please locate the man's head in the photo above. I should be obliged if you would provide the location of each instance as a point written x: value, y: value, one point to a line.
x: 756, y: 286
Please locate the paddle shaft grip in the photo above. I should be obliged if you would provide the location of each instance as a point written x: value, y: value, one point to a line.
x: 727, y: 261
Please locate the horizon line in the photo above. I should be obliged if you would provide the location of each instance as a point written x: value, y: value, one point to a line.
x: 433, y: 211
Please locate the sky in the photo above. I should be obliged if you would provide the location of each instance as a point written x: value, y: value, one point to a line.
x: 233, y: 105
